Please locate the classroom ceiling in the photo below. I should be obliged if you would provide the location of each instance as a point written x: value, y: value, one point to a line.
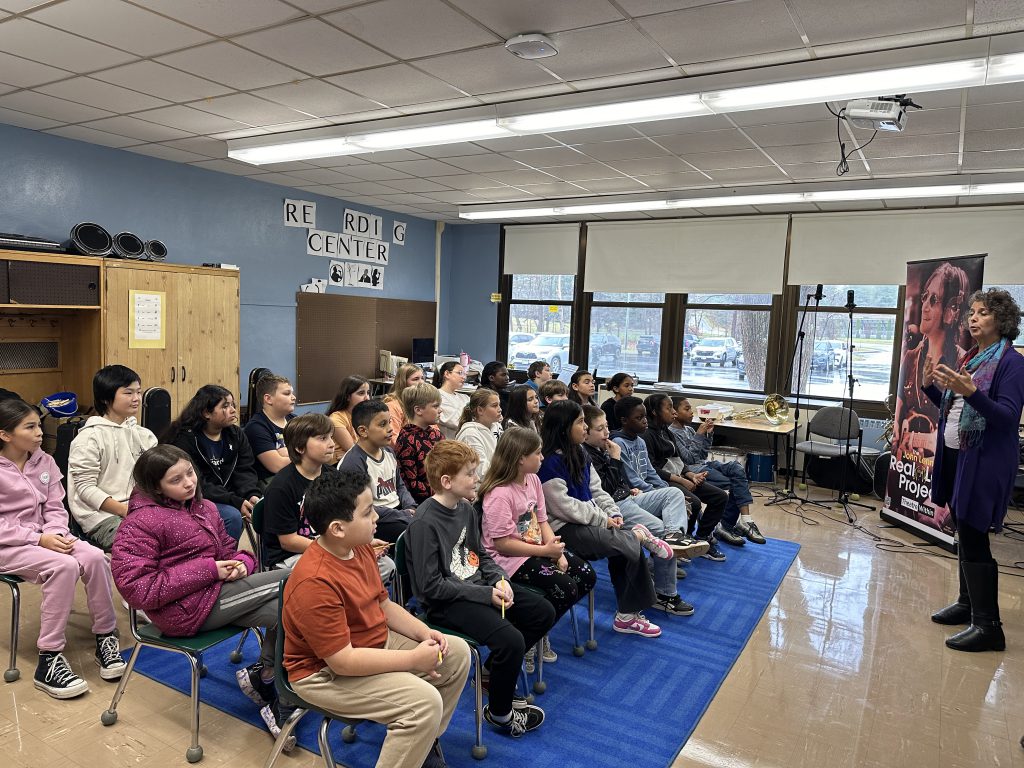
x: 174, y: 79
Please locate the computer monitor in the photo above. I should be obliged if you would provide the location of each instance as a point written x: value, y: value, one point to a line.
x: 422, y: 351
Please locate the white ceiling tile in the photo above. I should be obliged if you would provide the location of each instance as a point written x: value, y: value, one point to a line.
x: 503, y: 194
x: 23, y: 37
x: 606, y: 50
x: 201, y: 146
x: 738, y: 158
x: 925, y: 202
x: 49, y: 106
x: 396, y: 85
x: 649, y: 7
x: 728, y: 210
x: 239, y: 133
x: 426, y: 167
x: 547, y: 157
x: 939, y: 99
x: 470, y: 181
x: 554, y: 189
x: 373, y: 172
x: 986, y: 161
x: 926, y: 164
x: 138, y: 129
x: 524, y: 176
x: 621, y: 184
x: 95, y: 93
x: 583, y: 172
x: 590, y: 135
x: 225, y: 17
x: 994, y: 94
x: 228, y: 166
x: 986, y: 11
x: 789, y: 208
x: 119, y: 24
x: 393, y: 26
x: 623, y: 216
x: 418, y: 186
x: 297, y: 125
x: 370, y: 188
x: 908, y: 146
x: 821, y: 171
x: 485, y: 70
x: 452, y: 150
x: 188, y: 119
x: 679, y: 125
x: 323, y: 176
x: 437, y: 106
x: 315, y: 97
x: 533, y: 92
x: 807, y: 153
x: 455, y: 197
x: 25, y: 120
x: 166, y: 153
x: 294, y: 165
x: 161, y: 81
x: 17, y: 6
x: 626, y: 78
x: 246, y: 108
x: 392, y: 156
x: 788, y: 134
x: 852, y: 206
x: 984, y: 117
x: 281, y: 179
x: 704, y: 141
x: 515, y: 18
x: 1008, y: 138
x: 804, y: 113
x: 759, y: 175
x: 484, y: 163
x: 833, y: 21
x: 404, y: 209
x: 83, y: 133
x: 516, y: 142
x: 650, y: 166
x: 359, y: 117
x: 226, y: 63
x: 407, y: 199
x: 26, y: 74
x: 933, y: 121
x: 626, y: 149
x: 697, y: 34
x: 314, y: 47
x: 4, y: 88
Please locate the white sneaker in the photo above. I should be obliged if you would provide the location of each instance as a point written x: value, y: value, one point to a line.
x: 550, y: 657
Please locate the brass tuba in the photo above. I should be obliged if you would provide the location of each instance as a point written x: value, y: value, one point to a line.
x: 774, y: 410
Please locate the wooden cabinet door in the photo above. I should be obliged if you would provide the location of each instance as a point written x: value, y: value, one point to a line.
x: 208, y: 333
x: 156, y: 367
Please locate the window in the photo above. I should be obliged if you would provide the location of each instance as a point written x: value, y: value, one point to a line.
x: 540, y: 315
x: 827, y: 357
x: 625, y: 334
x: 725, y: 343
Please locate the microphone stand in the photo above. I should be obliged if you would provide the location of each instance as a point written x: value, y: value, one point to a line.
x: 788, y: 494
x: 844, y: 495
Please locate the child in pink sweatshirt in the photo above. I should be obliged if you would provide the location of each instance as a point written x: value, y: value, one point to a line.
x: 35, y: 544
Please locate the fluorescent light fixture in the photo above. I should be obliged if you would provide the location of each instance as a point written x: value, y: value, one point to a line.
x: 429, y: 136
x: 1005, y: 68
x: 927, y: 77
x: 891, y: 193
x: 1002, y: 188
x: 287, y: 152
x: 619, y: 113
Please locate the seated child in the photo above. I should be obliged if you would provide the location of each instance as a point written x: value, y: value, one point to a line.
x: 581, y: 387
x: 220, y: 452
x: 523, y: 408
x: 661, y: 510
x: 495, y: 377
x: 478, y: 426
x: 538, y: 372
x: 448, y: 379
x: 517, y: 535
x: 351, y: 392
x: 275, y: 401
x: 173, y: 559
x: 422, y: 403
x: 407, y: 375
x: 349, y: 650
x: 462, y: 588
x: 590, y: 523
x: 693, y: 445
x: 620, y: 385
x: 38, y: 547
x: 103, y: 453
x: 372, y: 454
x: 551, y: 391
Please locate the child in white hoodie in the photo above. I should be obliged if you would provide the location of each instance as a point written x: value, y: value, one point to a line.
x: 37, y: 546
x: 103, y: 455
x: 477, y: 426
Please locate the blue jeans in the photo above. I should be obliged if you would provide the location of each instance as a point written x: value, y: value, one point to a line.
x: 730, y: 476
x: 661, y: 510
x: 232, y: 520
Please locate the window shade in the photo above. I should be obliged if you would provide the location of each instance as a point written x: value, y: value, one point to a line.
x: 546, y: 249
x: 738, y: 255
x: 874, y: 248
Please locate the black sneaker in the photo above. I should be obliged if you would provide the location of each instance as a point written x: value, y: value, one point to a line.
x: 274, y: 716
x: 522, y: 720
x: 683, y: 547
x: 714, y: 553
x: 680, y: 573
x: 673, y: 604
x: 753, y: 533
x: 259, y: 691
x: 108, y: 656
x: 730, y: 535
x: 54, y: 676
x: 518, y: 702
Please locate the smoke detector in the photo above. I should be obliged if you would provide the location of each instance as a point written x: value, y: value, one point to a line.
x: 532, y: 46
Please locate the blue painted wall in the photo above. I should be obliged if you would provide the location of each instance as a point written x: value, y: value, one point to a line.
x: 469, y: 274
x: 48, y: 184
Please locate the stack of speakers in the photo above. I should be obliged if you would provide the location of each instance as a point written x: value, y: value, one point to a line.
x: 91, y: 239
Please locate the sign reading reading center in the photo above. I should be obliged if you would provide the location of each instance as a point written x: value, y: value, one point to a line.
x: 336, y: 245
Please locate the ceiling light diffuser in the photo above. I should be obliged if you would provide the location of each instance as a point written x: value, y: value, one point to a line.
x: 429, y: 136
x: 619, y: 113
x: 291, y: 151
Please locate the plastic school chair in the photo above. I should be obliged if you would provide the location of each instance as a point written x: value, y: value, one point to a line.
x: 192, y: 648
x: 290, y: 699
x: 11, y: 673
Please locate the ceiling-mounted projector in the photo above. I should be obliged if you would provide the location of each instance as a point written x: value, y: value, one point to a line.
x: 532, y: 46
x: 882, y: 114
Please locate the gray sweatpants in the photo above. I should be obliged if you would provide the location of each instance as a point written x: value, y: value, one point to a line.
x: 250, y: 602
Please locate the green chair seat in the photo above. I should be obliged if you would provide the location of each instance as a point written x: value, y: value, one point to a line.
x: 196, y: 644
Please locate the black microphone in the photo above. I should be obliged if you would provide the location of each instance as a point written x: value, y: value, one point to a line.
x: 817, y: 292
x: 849, y: 300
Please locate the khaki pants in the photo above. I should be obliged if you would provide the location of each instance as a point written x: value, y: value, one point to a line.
x: 415, y: 710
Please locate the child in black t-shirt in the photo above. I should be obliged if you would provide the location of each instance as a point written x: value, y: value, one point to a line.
x: 265, y: 430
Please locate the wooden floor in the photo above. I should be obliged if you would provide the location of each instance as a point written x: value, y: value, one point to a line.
x: 845, y: 669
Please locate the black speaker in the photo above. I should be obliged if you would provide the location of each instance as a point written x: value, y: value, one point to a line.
x: 37, y: 282
x: 89, y: 239
x: 5, y: 290
x: 156, y: 250
x: 827, y: 472
x: 128, y: 246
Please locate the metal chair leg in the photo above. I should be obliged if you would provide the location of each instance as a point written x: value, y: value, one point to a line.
x: 591, y: 643
x: 325, y: 745
x: 109, y: 716
x: 236, y: 655
x: 12, y: 673
x: 479, y: 751
x: 577, y: 646
x: 286, y: 731
x: 539, y: 686
x: 195, y: 752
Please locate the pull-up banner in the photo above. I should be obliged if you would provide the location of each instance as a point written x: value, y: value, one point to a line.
x: 934, y: 329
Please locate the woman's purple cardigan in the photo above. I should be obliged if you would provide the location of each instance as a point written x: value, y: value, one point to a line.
x: 985, y: 472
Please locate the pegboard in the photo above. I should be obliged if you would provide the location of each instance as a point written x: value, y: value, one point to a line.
x: 33, y: 282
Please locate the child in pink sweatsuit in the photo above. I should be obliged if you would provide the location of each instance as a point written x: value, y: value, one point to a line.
x: 35, y: 545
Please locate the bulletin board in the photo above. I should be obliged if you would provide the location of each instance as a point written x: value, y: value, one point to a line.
x: 338, y: 336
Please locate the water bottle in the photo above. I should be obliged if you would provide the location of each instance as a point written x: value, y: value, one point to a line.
x: 464, y: 360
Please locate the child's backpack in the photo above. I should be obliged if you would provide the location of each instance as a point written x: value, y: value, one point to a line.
x: 156, y: 410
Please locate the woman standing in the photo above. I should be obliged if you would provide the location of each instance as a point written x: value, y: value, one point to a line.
x: 976, y: 458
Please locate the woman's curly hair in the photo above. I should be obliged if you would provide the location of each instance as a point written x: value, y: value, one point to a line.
x: 1001, y: 304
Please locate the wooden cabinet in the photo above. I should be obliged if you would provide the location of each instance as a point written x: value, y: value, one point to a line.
x: 51, y: 345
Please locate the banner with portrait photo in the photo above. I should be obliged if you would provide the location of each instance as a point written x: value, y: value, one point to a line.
x: 935, y: 331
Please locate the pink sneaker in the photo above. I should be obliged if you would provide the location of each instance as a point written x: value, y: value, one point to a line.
x: 635, y: 624
x: 653, y: 544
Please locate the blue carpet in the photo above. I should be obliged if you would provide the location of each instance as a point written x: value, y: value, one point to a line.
x: 632, y: 701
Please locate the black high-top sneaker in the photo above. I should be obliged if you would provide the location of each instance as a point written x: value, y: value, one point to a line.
x: 54, y: 676
x: 108, y: 656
